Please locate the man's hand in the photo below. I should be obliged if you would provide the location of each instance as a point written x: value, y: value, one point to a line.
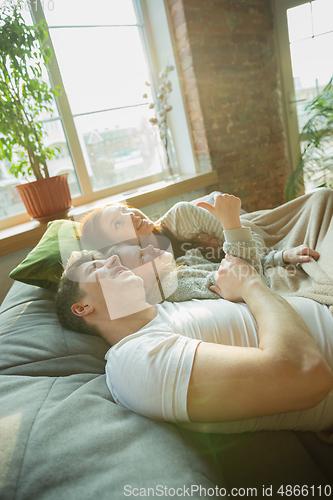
x: 298, y: 254
x: 233, y: 278
x: 226, y: 209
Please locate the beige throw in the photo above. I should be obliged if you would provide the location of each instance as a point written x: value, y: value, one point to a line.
x: 308, y: 219
x: 305, y: 220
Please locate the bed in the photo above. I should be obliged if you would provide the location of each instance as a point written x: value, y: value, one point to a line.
x: 63, y: 437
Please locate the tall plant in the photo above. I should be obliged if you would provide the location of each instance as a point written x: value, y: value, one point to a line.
x: 316, y: 158
x: 23, y: 94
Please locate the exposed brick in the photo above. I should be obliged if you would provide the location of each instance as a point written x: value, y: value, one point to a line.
x: 199, y: 135
x: 195, y: 115
x: 176, y: 7
x: 198, y: 124
x: 187, y: 63
x: 179, y: 19
x: 194, y: 105
x: 228, y: 64
x: 201, y: 146
x: 180, y: 30
x: 182, y: 42
x: 185, y: 53
x: 193, y: 94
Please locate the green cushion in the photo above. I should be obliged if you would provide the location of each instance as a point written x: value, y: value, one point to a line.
x: 43, y: 266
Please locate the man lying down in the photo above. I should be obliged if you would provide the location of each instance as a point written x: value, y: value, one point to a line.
x: 248, y: 361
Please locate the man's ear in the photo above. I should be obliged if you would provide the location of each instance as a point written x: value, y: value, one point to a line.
x: 82, y: 310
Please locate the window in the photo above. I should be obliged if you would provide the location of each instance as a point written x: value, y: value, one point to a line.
x: 310, y: 28
x: 101, y: 129
x: 305, y: 36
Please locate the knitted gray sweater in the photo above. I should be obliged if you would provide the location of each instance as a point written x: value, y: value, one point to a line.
x: 196, y: 273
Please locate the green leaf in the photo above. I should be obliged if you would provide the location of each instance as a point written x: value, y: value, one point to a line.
x: 314, y: 160
x: 23, y: 94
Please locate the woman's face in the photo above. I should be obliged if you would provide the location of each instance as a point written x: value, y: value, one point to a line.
x: 119, y: 223
x: 139, y: 260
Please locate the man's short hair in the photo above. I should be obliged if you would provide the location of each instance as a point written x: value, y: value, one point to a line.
x: 69, y: 293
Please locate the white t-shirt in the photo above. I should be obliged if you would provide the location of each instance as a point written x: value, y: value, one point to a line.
x: 148, y: 372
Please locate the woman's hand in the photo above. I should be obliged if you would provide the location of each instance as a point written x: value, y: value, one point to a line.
x: 299, y: 254
x: 233, y: 278
x: 226, y: 209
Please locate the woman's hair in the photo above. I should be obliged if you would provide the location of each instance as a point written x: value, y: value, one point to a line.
x: 69, y: 293
x: 177, y: 245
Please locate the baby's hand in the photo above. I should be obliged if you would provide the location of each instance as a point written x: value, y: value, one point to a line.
x: 232, y: 277
x: 301, y: 253
x: 226, y: 209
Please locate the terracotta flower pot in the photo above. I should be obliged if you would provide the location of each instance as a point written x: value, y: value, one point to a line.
x: 46, y: 199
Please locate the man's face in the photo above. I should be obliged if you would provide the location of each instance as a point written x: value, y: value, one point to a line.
x: 153, y: 265
x: 136, y: 258
x: 109, y: 286
x: 96, y: 270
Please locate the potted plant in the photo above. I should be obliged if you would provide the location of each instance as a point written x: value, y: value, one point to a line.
x: 24, y: 96
x: 316, y: 158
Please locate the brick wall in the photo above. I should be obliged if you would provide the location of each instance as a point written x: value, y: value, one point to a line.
x: 228, y: 61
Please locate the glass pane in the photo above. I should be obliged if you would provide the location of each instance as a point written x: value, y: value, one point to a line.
x: 86, y: 12
x: 304, y: 96
x: 25, y: 12
x: 312, y: 61
x: 119, y: 146
x: 302, y: 57
x: 323, y: 47
x: 102, y: 68
x: 10, y: 200
x: 322, y: 11
x: 305, y: 83
x: 299, y: 22
x: 62, y: 163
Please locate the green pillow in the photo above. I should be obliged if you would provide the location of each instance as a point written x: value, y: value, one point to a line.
x: 43, y: 266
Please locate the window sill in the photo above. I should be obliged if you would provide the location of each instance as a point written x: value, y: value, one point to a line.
x: 28, y: 234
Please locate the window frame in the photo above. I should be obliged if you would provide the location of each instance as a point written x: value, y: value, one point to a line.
x: 294, y: 136
x: 152, y: 17
x: 287, y: 80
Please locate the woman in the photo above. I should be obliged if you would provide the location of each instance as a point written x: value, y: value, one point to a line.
x: 184, y: 223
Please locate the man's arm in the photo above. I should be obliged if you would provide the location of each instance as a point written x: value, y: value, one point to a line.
x: 287, y: 372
